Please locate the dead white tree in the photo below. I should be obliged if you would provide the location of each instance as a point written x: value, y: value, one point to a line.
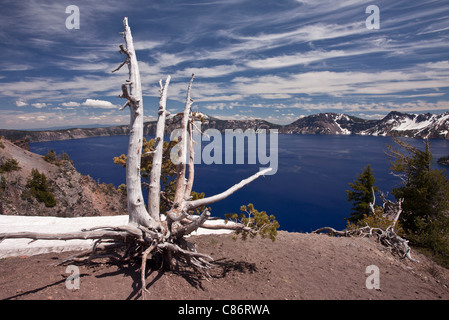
x: 387, y: 237
x: 147, y: 232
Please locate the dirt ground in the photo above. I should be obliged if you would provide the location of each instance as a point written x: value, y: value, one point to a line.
x: 296, y: 266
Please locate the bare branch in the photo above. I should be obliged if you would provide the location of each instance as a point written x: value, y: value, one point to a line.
x: 399, y: 211
x: 229, y: 226
x: 122, y: 50
x: 155, y: 175
x: 189, y: 185
x: 194, y: 225
x: 125, y: 94
x: 124, y: 106
x: 193, y: 204
x: 120, y: 66
x: 371, y: 205
x: 181, y: 166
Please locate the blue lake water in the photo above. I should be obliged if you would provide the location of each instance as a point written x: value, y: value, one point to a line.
x: 307, y: 192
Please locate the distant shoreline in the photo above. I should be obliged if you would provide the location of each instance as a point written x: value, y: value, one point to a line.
x: 423, y: 126
x: 444, y: 161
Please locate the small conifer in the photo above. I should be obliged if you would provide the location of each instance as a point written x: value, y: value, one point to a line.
x: 361, y: 194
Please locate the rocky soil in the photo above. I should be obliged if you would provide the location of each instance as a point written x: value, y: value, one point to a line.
x: 296, y: 266
x: 76, y: 195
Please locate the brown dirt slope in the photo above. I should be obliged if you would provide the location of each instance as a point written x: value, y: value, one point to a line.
x: 295, y: 266
x: 76, y: 194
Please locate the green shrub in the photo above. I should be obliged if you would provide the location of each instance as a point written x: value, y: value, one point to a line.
x: 51, y: 156
x: 41, y: 189
x: 9, y: 165
x: 260, y: 222
x: 361, y: 194
x: 56, y: 159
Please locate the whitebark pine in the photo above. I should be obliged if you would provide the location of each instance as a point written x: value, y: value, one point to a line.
x: 146, y: 233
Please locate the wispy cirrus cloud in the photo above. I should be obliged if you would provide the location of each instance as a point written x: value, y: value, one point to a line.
x: 244, y: 54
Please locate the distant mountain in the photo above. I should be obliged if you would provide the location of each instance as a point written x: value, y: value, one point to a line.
x: 427, y: 125
x: 328, y: 123
x: 432, y: 126
x: 394, y: 124
x: 64, y: 134
x: 221, y: 125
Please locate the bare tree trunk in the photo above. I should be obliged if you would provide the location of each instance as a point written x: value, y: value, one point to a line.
x: 177, y: 212
x: 155, y: 176
x: 137, y: 212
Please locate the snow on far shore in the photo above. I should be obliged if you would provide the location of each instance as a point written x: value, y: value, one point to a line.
x: 27, y: 247
x: 412, y: 124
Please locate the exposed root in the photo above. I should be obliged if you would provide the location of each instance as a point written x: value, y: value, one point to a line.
x: 129, y: 242
x: 143, y: 267
x: 388, y: 238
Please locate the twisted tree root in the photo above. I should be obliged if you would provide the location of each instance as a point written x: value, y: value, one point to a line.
x: 388, y: 238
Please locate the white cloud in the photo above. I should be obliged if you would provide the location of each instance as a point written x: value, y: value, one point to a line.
x: 363, y: 108
x: 21, y: 103
x: 372, y: 116
x: 209, y: 72
x: 307, y: 33
x: 306, y: 58
x: 444, y: 65
x: 169, y: 59
x: 93, y: 67
x: 146, y: 45
x: 344, y: 83
x: 70, y: 104
x: 39, y: 105
x: 40, y: 119
x: 216, y: 106
x: 276, y: 96
x: 61, y: 89
x: 16, y: 67
x: 319, y: 45
x: 93, y: 103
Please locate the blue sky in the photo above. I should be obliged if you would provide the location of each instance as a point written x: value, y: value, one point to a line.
x: 275, y: 60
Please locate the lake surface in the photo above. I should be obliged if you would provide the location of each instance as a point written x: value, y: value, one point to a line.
x: 306, y: 193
